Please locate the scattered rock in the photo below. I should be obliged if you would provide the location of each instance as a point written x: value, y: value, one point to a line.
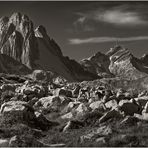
x: 98, y: 105
x: 62, y: 92
x: 72, y: 125
x: 50, y: 102
x: 142, y: 100
x: 110, y: 114
x: 129, y: 121
x: 111, y: 104
x: 4, y: 142
x: 67, y: 116
x: 128, y: 107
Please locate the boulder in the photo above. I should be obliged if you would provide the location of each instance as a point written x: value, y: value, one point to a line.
x: 81, y: 110
x: 129, y: 121
x: 111, y: 104
x: 14, y: 106
x: 43, y: 123
x: 103, y: 131
x: 39, y: 75
x: 72, y: 125
x: 62, y: 92
x: 145, y: 110
x: 97, y: 105
x: 142, y: 100
x: 25, y: 141
x: 110, y: 115
x: 101, y: 141
x: 13, y: 112
x: 71, y: 106
x: 50, y: 102
x: 128, y: 107
x: 4, y: 142
x: 8, y: 87
x: 68, y: 116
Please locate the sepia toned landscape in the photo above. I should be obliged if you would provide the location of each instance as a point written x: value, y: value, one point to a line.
x: 73, y: 74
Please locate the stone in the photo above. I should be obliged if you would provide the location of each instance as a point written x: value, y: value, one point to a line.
x: 13, y: 106
x: 52, y: 102
x: 128, y: 107
x: 97, y: 105
x: 72, y: 125
x: 145, y: 110
x: 8, y: 87
x: 111, y: 104
x: 43, y: 122
x: 39, y: 75
x: 101, y: 141
x: 81, y: 110
x: 18, y: 111
x: 142, y: 100
x: 110, y: 114
x: 4, y: 142
x: 62, y: 92
x: 57, y: 145
x: 129, y: 121
x: 103, y: 131
x: 67, y: 116
x: 71, y: 106
x: 25, y: 141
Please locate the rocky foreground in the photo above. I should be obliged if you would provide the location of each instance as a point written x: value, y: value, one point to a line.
x: 38, y: 112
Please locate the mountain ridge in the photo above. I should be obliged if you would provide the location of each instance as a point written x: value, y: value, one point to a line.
x: 35, y: 49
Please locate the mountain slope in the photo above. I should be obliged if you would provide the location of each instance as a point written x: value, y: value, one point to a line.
x: 36, y: 50
x: 124, y: 64
x: 97, y: 64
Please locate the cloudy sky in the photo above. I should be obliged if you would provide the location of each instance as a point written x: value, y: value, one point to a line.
x: 83, y: 28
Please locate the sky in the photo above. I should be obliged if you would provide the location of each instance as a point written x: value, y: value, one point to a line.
x: 83, y: 28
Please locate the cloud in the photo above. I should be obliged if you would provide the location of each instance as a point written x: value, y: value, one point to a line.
x: 123, y: 15
x: 120, y: 17
x: 82, y: 24
x: 78, y: 41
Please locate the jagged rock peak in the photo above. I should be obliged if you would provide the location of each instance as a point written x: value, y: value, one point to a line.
x: 40, y: 31
x: 115, y: 49
x: 16, y: 18
x: 4, y: 19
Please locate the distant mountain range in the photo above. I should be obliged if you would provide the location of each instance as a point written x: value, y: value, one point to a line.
x: 24, y: 49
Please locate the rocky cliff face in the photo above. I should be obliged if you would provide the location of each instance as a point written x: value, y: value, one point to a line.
x: 34, y: 49
x: 124, y: 64
x: 97, y: 64
x: 118, y: 61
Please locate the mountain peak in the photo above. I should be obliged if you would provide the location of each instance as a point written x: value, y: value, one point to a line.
x: 40, y: 31
x: 115, y: 49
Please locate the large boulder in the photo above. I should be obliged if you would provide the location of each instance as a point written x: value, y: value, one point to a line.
x: 129, y: 121
x: 32, y: 90
x: 112, y: 114
x: 50, y: 102
x: 111, y: 104
x: 145, y: 110
x: 13, y: 112
x: 129, y: 107
x: 8, y: 87
x: 43, y: 122
x: 74, y: 124
x: 142, y: 100
x: 97, y: 105
x: 25, y: 141
x: 41, y: 75
x: 81, y: 110
x: 4, y: 142
x: 71, y: 106
x: 103, y: 131
x: 62, y: 92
